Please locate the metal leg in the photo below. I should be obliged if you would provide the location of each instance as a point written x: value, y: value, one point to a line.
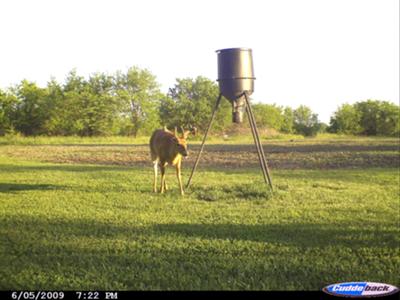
x: 260, y: 150
x: 257, y: 146
x: 204, y: 139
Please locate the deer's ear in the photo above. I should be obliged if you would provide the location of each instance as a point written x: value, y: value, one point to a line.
x: 182, y: 132
x: 186, y: 134
x: 193, y: 130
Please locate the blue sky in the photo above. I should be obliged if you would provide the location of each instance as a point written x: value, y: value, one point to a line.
x: 321, y: 53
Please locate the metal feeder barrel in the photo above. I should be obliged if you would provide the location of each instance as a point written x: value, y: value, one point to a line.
x: 235, y: 77
x: 235, y: 72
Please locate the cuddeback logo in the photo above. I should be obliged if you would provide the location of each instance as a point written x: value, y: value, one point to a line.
x: 360, y: 289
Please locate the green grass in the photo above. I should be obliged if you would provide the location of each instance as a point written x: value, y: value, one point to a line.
x: 85, y: 227
x: 16, y: 139
x: 98, y: 226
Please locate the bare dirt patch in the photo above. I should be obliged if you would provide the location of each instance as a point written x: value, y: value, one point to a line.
x: 282, y: 155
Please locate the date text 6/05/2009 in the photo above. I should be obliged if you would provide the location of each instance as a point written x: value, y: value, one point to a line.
x: 55, y: 295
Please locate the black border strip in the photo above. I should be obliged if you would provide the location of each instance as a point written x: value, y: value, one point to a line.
x: 122, y: 295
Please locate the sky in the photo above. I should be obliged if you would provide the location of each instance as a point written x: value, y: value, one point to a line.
x: 320, y: 53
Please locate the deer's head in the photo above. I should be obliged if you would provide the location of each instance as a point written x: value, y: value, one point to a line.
x: 181, y: 144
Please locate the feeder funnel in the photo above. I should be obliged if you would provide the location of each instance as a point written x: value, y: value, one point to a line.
x: 236, y: 77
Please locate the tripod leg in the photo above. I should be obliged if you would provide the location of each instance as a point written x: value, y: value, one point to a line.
x: 257, y: 146
x: 204, y: 139
x: 256, y: 137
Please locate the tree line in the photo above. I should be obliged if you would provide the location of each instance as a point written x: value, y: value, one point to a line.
x: 131, y: 103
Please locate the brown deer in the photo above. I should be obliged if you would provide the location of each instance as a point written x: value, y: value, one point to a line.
x: 166, y: 148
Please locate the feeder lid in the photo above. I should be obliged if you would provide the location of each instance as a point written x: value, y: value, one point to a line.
x: 234, y: 49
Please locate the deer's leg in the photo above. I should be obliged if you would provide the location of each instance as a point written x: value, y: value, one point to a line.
x: 162, y: 168
x: 178, y: 174
x: 155, y: 176
x: 165, y: 185
x: 165, y: 181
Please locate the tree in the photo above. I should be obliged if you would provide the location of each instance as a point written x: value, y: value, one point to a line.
x: 288, y: 120
x: 190, y: 103
x: 378, y: 117
x: 346, y: 120
x: 8, y: 104
x: 388, y: 119
x: 369, y: 114
x: 138, y: 95
x: 31, y: 113
x: 100, y: 109
x: 305, y: 121
x: 69, y: 111
x: 371, y: 117
x: 53, y: 102
x: 85, y: 107
x: 268, y: 115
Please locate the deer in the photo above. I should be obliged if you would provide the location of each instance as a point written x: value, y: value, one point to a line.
x: 167, y: 147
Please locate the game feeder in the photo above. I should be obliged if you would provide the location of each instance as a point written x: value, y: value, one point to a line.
x: 236, y: 83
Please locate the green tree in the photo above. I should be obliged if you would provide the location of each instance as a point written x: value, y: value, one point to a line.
x: 138, y: 97
x: 71, y: 120
x: 288, y: 120
x: 84, y: 107
x: 305, y: 121
x: 346, y: 120
x: 54, y: 101
x: 369, y: 115
x: 388, y: 119
x: 8, y: 103
x: 269, y: 116
x: 31, y: 111
x: 190, y: 103
x: 100, y: 108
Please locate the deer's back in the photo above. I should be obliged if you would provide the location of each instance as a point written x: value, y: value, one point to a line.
x: 162, y: 145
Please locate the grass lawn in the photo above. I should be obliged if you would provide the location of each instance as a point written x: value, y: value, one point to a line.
x: 85, y: 226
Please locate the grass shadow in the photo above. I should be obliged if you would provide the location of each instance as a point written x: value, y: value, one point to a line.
x: 18, y: 187
x: 6, y: 168
x: 303, y: 235
x: 298, y: 234
x: 93, y: 145
x: 231, y: 192
x: 91, y: 254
